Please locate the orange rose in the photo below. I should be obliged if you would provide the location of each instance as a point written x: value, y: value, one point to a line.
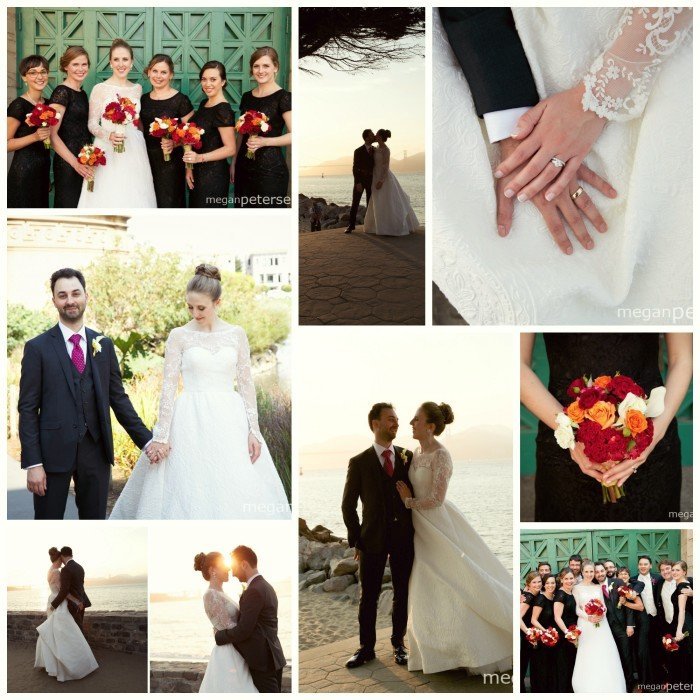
x: 635, y: 421
x: 575, y: 412
x: 602, y: 381
x: 603, y: 413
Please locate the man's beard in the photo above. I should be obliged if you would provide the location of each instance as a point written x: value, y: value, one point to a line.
x: 71, y: 319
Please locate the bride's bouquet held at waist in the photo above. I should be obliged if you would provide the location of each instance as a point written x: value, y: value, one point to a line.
x: 121, y: 112
x: 611, y: 417
x: 594, y: 608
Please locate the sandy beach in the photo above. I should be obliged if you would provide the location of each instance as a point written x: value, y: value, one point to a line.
x: 118, y: 673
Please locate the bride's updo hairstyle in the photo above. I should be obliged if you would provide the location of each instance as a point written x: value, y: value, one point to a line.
x: 120, y: 44
x: 206, y: 280
x: 440, y: 415
x: 203, y: 562
x: 384, y: 134
x: 54, y: 554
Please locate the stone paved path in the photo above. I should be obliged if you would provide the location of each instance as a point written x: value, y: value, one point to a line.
x: 361, y: 279
x: 322, y: 670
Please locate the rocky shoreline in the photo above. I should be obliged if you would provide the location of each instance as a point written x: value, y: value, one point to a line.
x: 330, y: 215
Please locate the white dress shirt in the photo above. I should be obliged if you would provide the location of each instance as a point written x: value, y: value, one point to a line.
x: 379, y: 449
x: 647, y: 593
x: 666, y: 592
x: 500, y: 125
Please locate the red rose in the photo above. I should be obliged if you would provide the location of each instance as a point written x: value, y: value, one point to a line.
x: 589, y: 397
x: 621, y: 385
x: 642, y: 441
x: 576, y: 387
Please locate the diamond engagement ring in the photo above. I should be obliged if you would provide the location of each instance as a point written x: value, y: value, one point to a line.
x: 557, y: 162
x: 575, y: 195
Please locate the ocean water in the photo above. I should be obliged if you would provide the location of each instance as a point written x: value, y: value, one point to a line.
x: 180, y: 630
x: 482, y: 491
x: 131, y: 596
x: 338, y: 190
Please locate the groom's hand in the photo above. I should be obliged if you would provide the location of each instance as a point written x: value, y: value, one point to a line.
x: 36, y: 480
x: 357, y: 555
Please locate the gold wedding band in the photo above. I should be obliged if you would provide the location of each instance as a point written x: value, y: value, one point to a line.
x: 577, y: 194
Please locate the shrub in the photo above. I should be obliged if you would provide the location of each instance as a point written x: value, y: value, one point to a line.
x: 275, y: 418
x: 24, y: 324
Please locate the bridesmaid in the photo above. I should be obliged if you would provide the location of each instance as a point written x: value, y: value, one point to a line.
x: 71, y: 133
x: 264, y: 181
x: 209, y: 180
x: 544, y: 658
x: 565, y: 616
x: 28, y: 180
x: 533, y: 586
x: 681, y: 661
x: 164, y: 101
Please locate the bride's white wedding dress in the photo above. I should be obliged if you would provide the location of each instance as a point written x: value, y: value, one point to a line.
x: 460, y: 596
x: 389, y: 211
x: 126, y: 179
x: 644, y: 262
x: 208, y: 474
x: 61, y: 648
x: 598, y: 668
x: 227, y: 671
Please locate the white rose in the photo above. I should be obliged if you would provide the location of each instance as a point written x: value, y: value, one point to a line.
x: 564, y: 434
x: 631, y: 401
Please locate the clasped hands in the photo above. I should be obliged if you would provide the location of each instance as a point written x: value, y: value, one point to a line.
x: 157, y: 451
x: 557, y: 127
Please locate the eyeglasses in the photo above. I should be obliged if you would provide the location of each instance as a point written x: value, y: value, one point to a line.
x: 35, y: 73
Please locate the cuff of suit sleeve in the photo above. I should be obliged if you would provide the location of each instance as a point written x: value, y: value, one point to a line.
x: 31, y: 466
x: 500, y: 125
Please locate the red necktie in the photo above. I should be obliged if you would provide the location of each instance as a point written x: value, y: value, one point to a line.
x: 388, y: 466
x: 77, y: 356
x: 605, y: 591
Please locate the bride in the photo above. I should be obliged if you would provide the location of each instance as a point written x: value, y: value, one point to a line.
x: 632, y: 67
x: 460, y: 597
x: 598, y: 668
x: 227, y: 671
x: 215, y: 463
x: 389, y: 211
x: 61, y: 648
x: 126, y: 178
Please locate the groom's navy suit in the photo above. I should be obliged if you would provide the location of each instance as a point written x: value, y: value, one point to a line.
x: 73, y: 583
x: 386, y: 531
x: 64, y: 422
x: 255, y: 636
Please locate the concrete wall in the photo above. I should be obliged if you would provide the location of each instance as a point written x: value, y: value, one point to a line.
x: 186, y: 677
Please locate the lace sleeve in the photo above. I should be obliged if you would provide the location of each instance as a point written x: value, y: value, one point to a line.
x: 95, y: 113
x: 171, y: 379
x: 54, y: 578
x: 245, y: 385
x: 384, y: 159
x: 215, y: 608
x: 619, y: 82
x: 442, y: 471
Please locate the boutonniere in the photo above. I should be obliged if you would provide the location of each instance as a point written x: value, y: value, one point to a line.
x: 96, y: 347
x: 404, y: 456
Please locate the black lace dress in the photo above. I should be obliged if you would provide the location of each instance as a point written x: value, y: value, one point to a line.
x: 526, y: 648
x: 544, y: 659
x: 562, y: 491
x: 168, y: 176
x: 681, y: 661
x: 211, y: 180
x: 566, y: 651
x: 28, y: 180
x: 74, y: 133
x: 262, y: 182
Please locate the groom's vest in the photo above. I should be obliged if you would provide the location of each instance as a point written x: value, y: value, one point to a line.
x: 393, y: 506
x: 88, y: 416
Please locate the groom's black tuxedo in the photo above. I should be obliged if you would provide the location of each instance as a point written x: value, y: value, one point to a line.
x: 619, y: 620
x: 362, y: 169
x: 255, y: 636
x: 64, y: 421
x: 386, y: 531
x: 73, y: 583
x: 488, y: 48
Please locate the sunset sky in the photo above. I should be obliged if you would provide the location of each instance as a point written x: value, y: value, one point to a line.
x: 335, y: 107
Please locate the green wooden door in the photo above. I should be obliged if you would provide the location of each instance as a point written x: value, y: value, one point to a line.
x: 622, y: 546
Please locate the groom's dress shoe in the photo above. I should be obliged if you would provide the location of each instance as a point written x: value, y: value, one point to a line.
x: 349, y: 229
x: 401, y: 655
x: 361, y: 656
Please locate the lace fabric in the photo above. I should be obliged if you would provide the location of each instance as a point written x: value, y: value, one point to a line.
x: 382, y: 158
x: 101, y: 95
x: 439, y: 463
x: 54, y: 579
x: 620, y: 80
x: 221, y: 610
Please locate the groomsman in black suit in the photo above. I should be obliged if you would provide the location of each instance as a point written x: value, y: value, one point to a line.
x: 647, y: 585
x: 362, y: 171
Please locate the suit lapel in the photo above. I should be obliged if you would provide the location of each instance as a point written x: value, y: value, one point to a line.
x: 59, y: 346
x: 374, y: 464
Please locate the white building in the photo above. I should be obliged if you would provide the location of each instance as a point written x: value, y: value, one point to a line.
x: 271, y: 269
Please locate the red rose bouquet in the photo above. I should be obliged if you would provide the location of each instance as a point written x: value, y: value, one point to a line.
x: 189, y: 136
x: 594, y: 608
x: 549, y: 637
x: 670, y: 644
x: 42, y: 116
x: 252, y: 123
x: 624, y: 593
x: 612, y: 419
x: 162, y: 128
x: 93, y: 156
x: 121, y: 112
x: 572, y: 634
x: 533, y: 636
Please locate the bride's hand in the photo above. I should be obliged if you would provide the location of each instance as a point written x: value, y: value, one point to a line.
x: 253, y: 448
x: 403, y: 490
x: 379, y: 184
x: 116, y: 138
x: 588, y: 467
x: 556, y: 127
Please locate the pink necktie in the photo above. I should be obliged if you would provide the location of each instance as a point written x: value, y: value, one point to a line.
x: 77, y: 355
x: 388, y: 466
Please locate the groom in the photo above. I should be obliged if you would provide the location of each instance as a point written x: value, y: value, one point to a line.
x: 255, y: 635
x: 73, y: 584
x: 362, y: 170
x: 70, y: 379
x: 386, y: 531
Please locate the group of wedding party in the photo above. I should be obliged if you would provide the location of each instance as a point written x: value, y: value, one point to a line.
x: 124, y: 147
x: 598, y: 627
